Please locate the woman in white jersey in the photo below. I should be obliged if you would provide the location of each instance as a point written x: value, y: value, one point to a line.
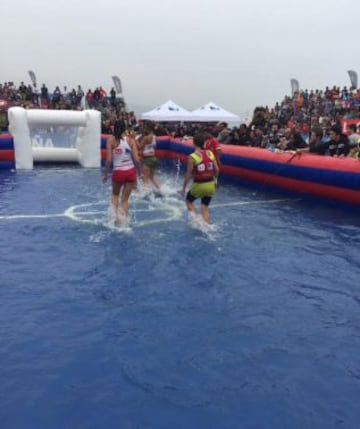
x: 147, y: 146
x: 122, y: 152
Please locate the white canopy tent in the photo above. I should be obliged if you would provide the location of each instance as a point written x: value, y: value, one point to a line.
x: 211, y: 112
x: 167, y: 112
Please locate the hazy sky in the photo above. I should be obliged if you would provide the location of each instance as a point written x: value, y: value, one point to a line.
x: 237, y: 53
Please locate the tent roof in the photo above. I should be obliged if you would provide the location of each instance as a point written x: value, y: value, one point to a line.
x: 211, y: 112
x: 168, y: 111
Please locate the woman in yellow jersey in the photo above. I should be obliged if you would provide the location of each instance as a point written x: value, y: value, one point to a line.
x: 202, y: 166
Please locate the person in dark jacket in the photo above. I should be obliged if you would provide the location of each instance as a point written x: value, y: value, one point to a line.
x: 339, y: 143
x: 294, y: 140
x: 316, y: 144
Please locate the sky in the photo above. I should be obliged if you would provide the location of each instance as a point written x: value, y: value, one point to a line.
x: 237, y: 53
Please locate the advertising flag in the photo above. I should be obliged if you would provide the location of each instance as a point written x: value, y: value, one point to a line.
x: 32, y: 77
x: 353, y: 79
x: 294, y: 86
x: 117, y: 84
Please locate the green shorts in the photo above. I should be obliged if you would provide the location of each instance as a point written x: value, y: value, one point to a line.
x: 201, y: 190
x: 150, y: 162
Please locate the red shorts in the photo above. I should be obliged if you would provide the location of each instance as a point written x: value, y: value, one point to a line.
x: 123, y: 176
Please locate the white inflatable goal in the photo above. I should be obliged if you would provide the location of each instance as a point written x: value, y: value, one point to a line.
x: 55, y: 136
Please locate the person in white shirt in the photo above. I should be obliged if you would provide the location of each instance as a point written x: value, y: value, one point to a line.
x: 121, y: 151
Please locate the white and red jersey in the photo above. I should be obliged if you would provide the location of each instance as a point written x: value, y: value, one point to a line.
x: 122, y: 156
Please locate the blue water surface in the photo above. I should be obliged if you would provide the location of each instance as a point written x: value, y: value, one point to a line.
x: 252, y: 324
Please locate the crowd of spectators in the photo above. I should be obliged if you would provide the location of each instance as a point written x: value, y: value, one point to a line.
x: 307, y: 120
x: 113, y: 108
x: 310, y: 120
x: 29, y: 96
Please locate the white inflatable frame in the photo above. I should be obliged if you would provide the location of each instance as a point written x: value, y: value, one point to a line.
x: 87, y: 150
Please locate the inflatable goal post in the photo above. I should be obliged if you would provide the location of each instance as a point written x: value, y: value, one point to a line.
x: 55, y: 136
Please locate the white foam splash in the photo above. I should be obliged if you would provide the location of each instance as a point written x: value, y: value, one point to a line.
x: 208, y: 229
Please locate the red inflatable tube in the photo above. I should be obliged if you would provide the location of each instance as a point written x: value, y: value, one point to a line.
x: 7, y: 155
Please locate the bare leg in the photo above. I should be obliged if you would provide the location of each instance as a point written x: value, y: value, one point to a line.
x: 116, y: 187
x: 128, y: 188
x: 191, y: 207
x: 149, y: 176
x: 205, y: 213
x: 154, y: 180
x: 146, y: 176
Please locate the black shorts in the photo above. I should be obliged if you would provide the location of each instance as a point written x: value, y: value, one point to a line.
x: 204, y: 200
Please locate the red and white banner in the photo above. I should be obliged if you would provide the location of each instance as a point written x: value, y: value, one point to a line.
x: 346, y: 122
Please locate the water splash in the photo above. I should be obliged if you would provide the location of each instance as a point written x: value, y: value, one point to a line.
x: 211, y: 231
x: 178, y: 169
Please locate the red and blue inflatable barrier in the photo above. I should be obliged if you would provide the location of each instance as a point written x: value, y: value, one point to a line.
x: 103, y: 142
x: 7, y: 152
x: 334, y: 179
x: 325, y: 177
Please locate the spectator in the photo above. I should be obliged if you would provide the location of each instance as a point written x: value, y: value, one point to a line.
x: 89, y: 99
x: 257, y: 137
x: 353, y: 135
x: 112, y: 96
x: 354, y: 141
x: 294, y: 140
x: 44, y: 96
x: 339, y: 143
x: 316, y: 145
x: 234, y: 137
x: 244, y: 136
x: 79, y: 95
x: 274, y: 136
x: 106, y: 127
x: 119, y: 125
x: 3, y: 118
x: 56, y: 96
